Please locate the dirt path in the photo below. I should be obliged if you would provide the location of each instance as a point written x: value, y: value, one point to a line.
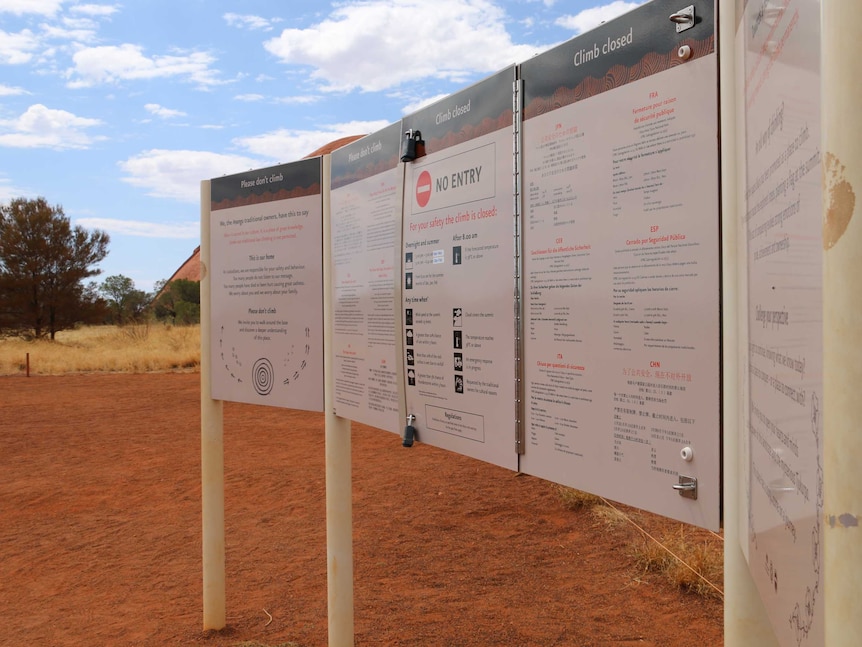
x: 100, y: 534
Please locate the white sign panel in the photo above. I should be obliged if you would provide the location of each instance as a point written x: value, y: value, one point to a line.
x: 267, y: 286
x: 365, y: 208
x: 621, y: 264
x: 458, y: 274
x: 780, y: 44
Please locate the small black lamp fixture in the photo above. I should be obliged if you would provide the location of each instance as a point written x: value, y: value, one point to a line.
x: 412, y: 139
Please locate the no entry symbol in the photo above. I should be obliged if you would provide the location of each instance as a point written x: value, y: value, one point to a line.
x: 423, y: 188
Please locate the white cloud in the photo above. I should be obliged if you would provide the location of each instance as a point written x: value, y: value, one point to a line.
x: 112, y: 64
x: 9, y: 91
x: 141, y: 228
x: 16, y: 49
x: 80, y: 28
x: 285, y: 145
x: 177, y: 174
x: 80, y: 31
x: 79, y: 23
x: 418, y: 104
x: 41, y: 127
x: 40, y: 7
x: 161, y: 111
x: 245, y: 21
x: 590, y: 18
x: 379, y: 44
x: 250, y: 97
x: 9, y: 191
x: 299, y: 99
x: 94, y: 9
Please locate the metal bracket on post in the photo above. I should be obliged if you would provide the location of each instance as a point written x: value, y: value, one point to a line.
x: 687, y: 487
x: 684, y: 18
x: 409, y: 432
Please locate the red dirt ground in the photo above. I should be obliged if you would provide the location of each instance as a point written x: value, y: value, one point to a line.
x: 100, y: 534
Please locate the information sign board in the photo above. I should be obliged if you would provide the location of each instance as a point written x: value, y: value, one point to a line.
x: 621, y: 271
x: 779, y: 44
x: 458, y: 274
x: 365, y: 208
x: 267, y: 286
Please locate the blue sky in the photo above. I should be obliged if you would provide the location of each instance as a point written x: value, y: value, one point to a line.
x: 116, y: 112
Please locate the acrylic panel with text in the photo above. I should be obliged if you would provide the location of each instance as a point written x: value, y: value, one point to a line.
x: 779, y: 43
x: 365, y: 208
x: 267, y: 286
x: 621, y: 272
x: 458, y: 261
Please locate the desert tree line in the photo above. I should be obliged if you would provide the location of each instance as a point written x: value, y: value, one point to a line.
x: 47, y: 278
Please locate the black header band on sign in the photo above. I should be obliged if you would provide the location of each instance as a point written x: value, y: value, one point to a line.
x: 638, y: 44
x: 267, y: 184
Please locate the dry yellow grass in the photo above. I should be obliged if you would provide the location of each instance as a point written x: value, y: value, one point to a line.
x: 688, y: 557
x: 129, y: 349
x: 693, y: 563
x: 573, y: 499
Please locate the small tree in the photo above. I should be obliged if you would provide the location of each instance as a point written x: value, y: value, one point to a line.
x: 125, y: 302
x: 43, y: 263
x: 178, y: 301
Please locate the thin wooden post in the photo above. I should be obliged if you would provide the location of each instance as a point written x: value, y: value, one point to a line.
x: 841, y: 66
x: 339, y: 479
x: 212, y: 449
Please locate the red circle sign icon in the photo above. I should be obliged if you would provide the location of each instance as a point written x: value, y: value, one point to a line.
x: 423, y: 188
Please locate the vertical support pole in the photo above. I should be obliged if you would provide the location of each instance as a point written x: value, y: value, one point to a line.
x: 339, y: 484
x: 746, y: 623
x: 212, y: 448
x: 841, y: 150
x: 28, y: 364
